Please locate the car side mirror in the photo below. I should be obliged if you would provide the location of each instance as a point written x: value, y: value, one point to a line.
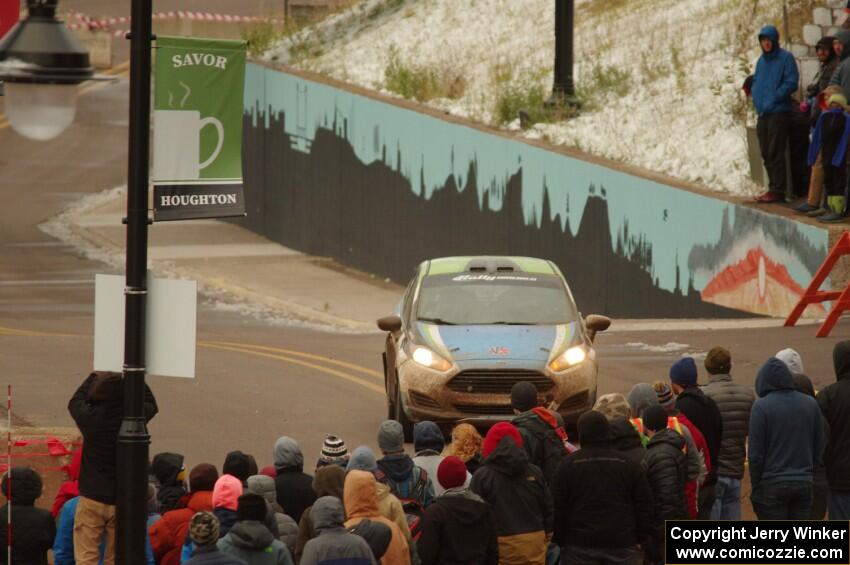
x: 596, y: 323
x: 389, y: 323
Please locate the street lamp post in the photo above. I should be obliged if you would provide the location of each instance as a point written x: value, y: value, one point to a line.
x: 41, y: 63
x: 563, y: 89
x: 133, y: 437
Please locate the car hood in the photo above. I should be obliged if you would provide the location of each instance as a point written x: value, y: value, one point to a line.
x: 491, y: 343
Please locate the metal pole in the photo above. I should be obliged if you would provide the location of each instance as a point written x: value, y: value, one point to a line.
x: 564, y: 88
x: 133, y: 438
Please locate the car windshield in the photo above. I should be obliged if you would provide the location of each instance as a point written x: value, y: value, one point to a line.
x: 494, y: 298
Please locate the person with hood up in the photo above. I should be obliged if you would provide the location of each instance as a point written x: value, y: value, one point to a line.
x: 334, y: 452
x: 666, y: 470
x: 203, y: 534
x: 786, y: 442
x: 249, y: 539
x: 735, y: 402
x: 541, y: 436
x: 518, y: 495
x: 282, y: 526
x: 408, y: 482
x: 294, y: 486
x: 363, y: 459
x: 238, y: 464
x: 377, y: 535
x: 428, y: 444
x: 841, y: 75
x: 705, y: 415
x: 70, y: 488
x: 169, y: 533
x: 329, y: 481
x: 171, y: 476
x: 699, y: 460
x: 820, y: 485
x: 624, y: 437
x: 775, y: 80
x: 466, y: 446
x: 225, y: 500
x: 459, y: 528
x: 97, y: 408
x: 361, y: 502
x: 828, y: 63
x: 834, y: 402
x: 829, y: 143
x: 334, y: 545
x: 603, y: 504
x: 33, y: 529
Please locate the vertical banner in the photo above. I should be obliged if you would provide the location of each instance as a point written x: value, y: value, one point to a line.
x: 197, y: 121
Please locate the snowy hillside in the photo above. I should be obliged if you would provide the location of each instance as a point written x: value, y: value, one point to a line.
x: 660, y: 79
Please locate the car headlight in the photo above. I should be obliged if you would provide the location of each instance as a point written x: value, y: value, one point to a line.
x: 427, y: 358
x: 569, y: 358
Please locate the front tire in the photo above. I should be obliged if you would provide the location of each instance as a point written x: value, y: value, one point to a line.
x: 401, y: 416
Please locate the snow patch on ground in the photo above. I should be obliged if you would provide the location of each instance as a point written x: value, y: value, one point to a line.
x: 678, y: 111
x: 217, y: 294
x: 669, y: 347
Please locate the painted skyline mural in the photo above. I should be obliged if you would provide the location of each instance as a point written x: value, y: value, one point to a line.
x: 380, y: 188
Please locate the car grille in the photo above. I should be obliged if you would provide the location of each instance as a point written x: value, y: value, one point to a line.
x: 576, y: 401
x: 485, y: 409
x: 497, y: 381
x: 422, y: 400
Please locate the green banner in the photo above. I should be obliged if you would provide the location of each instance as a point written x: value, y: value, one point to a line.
x: 197, y: 150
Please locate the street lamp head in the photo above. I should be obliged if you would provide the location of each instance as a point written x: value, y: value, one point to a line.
x: 41, y: 62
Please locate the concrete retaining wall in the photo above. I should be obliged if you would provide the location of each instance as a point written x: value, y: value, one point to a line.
x: 380, y: 185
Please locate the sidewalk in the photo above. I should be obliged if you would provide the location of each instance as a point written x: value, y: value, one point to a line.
x: 235, y: 268
x: 240, y: 271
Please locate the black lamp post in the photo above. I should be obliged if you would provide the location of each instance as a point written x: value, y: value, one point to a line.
x: 41, y: 63
x: 563, y: 90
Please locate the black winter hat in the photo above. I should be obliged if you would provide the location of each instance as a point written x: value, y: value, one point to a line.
x: 26, y: 486
x: 593, y: 427
x: 427, y: 435
x: 251, y: 507
x: 654, y: 418
x: 237, y: 464
x: 523, y: 396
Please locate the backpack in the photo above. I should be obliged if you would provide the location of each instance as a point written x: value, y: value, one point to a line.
x: 550, y: 445
x: 410, y: 493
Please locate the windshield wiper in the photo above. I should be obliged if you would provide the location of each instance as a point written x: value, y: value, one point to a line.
x: 503, y: 323
x: 438, y: 321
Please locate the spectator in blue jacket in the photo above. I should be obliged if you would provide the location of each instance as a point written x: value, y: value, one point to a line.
x: 775, y: 79
x: 786, y: 442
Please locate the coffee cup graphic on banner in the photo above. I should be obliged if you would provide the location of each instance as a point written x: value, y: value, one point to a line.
x: 177, y: 144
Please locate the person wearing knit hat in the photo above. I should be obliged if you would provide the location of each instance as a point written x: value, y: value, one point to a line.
x: 249, y: 539
x: 641, y: 396
x: 363, y: 459
x: 406, y: 480
x: 334, y: 452
x: 735, y: 401
x: 458, y: 527
x: 523, y: 396
x: 703, y: 412
x: 613, y: 405
x: 665, y: 397
x: 666, y: 464
x: 518, y: 495
x: 203, y: 533
x: 596, y: 481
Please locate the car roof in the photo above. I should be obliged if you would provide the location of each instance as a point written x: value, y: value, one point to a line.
x: 492, y: 263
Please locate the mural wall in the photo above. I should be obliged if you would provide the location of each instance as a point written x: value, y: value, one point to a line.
x: 380, y: 188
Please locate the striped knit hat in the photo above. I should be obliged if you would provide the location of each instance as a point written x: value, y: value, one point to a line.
x: 203, y: 529
x: 664, y: 394
x: 334, y: 452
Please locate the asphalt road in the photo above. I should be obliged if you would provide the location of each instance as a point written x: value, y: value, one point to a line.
x: 254, y: 382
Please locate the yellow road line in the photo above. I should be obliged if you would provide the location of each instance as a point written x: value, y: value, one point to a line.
x: 327, y: 370
x: 251, y: 349
x: 351, y: 366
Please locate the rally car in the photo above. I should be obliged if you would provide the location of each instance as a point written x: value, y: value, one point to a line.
x: 468, y: 328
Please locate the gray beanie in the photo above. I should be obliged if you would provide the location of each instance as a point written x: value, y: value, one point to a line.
x: 390, y: 437
x: 362, y: 459
x: 641, y: 396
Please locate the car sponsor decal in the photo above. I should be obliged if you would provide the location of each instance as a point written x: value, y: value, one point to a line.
x: 500, y: 351
x: 491, y: 278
